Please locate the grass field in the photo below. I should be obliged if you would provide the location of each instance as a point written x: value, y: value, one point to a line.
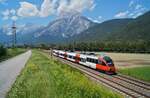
x: 48, y: 78
x: 12, y: 52
x: 133, y: 64
x: 142, y: 73
x: 130, y: 60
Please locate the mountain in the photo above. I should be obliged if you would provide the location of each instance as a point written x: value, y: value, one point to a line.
x: 28, y: 32
x: 103, y: 30
x: 137, y: 30
x: 119, y: 29
x: 56, y: 31
x: 63, y: 28
x: 78, y: 28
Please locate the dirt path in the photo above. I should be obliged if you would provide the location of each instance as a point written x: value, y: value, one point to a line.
x: 9, y: 70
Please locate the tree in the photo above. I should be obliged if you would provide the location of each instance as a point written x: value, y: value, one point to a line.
x: 3, y: 51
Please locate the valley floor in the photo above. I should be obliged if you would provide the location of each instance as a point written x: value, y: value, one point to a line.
x: 45, y: 77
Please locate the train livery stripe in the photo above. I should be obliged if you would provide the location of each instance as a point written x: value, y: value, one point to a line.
x: 94, y: 62
x: 101, y: 67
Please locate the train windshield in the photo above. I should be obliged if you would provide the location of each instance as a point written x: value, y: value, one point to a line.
x: 108, y: 60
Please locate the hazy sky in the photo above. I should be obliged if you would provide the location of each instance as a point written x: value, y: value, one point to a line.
x: 44, y: 11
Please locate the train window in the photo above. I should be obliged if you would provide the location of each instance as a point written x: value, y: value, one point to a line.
x: 88, y: 59
x: 73, y: 57
x: 70, y: 56
x: 103, y: 63
x: 83, y: 60
x: 99, y: 62
x: 108, y: 59
x: 96, y: 61
x: 92, y: 60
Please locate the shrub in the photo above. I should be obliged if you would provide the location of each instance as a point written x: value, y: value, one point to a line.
x: 3, y: 51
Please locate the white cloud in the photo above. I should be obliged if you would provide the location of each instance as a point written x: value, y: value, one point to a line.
x: 13, y: 11
x: 75, y: 6
x: 131, y: 3
x: 139, y: 10
x: 55, y: 7
x: 2, y: 1
x: 138, y: 6
x: 47, y: 8
x: 6, y: 12
x: 9, y: 14
x: 62, y: 6
x: 135, y: 9
x: 94, y: 20
x: 14, y: 18
x: 137, y: 14
x: 27, y: 10
x: 9, y: 33
x: 122, y: 14
x: 100, y: 17
x: 93, y: 6
x: 5, y: 17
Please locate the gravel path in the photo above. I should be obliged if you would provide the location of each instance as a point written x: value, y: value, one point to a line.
x: 10, y: 69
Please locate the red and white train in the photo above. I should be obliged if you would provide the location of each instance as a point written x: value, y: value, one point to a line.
x: 102, y: 63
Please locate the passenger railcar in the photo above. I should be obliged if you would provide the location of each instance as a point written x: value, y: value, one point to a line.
x: 102, y: 63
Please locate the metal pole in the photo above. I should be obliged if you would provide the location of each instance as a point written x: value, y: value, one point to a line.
x: 14, y: 33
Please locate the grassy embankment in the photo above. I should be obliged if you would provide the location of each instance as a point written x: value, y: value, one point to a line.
x: 48, y: 78
x: 142, y: 73
x: 132, y: 64
x: 11, y: 52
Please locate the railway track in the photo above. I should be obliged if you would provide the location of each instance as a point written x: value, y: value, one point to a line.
x: 128, y: 86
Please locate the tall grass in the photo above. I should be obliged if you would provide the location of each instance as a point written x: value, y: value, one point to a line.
x: 15, y: 51
x: 11, y: 52
x: 142, y: 73
x: 49, y: 78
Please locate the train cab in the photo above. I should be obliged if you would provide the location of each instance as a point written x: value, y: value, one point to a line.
x: 107, y: 64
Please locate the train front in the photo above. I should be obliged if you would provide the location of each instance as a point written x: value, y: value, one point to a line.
x: 110, y: 65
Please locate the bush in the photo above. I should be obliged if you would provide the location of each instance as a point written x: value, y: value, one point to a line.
x: 3, y: 51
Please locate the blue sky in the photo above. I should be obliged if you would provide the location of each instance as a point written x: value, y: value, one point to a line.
x: 44, y: 11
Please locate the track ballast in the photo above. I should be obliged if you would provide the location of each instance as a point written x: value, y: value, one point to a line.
x: 128, y: 86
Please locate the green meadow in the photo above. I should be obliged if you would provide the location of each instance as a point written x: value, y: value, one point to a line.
x: 142, y: 73
x: 45, y: 77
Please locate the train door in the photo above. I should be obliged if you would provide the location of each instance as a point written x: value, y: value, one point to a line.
x: 65, y: 55
x: 77, y: 58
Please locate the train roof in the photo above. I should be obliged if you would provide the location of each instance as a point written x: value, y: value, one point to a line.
x: 85, y: 55
x: 71, y: 53
x: 92, y: 56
